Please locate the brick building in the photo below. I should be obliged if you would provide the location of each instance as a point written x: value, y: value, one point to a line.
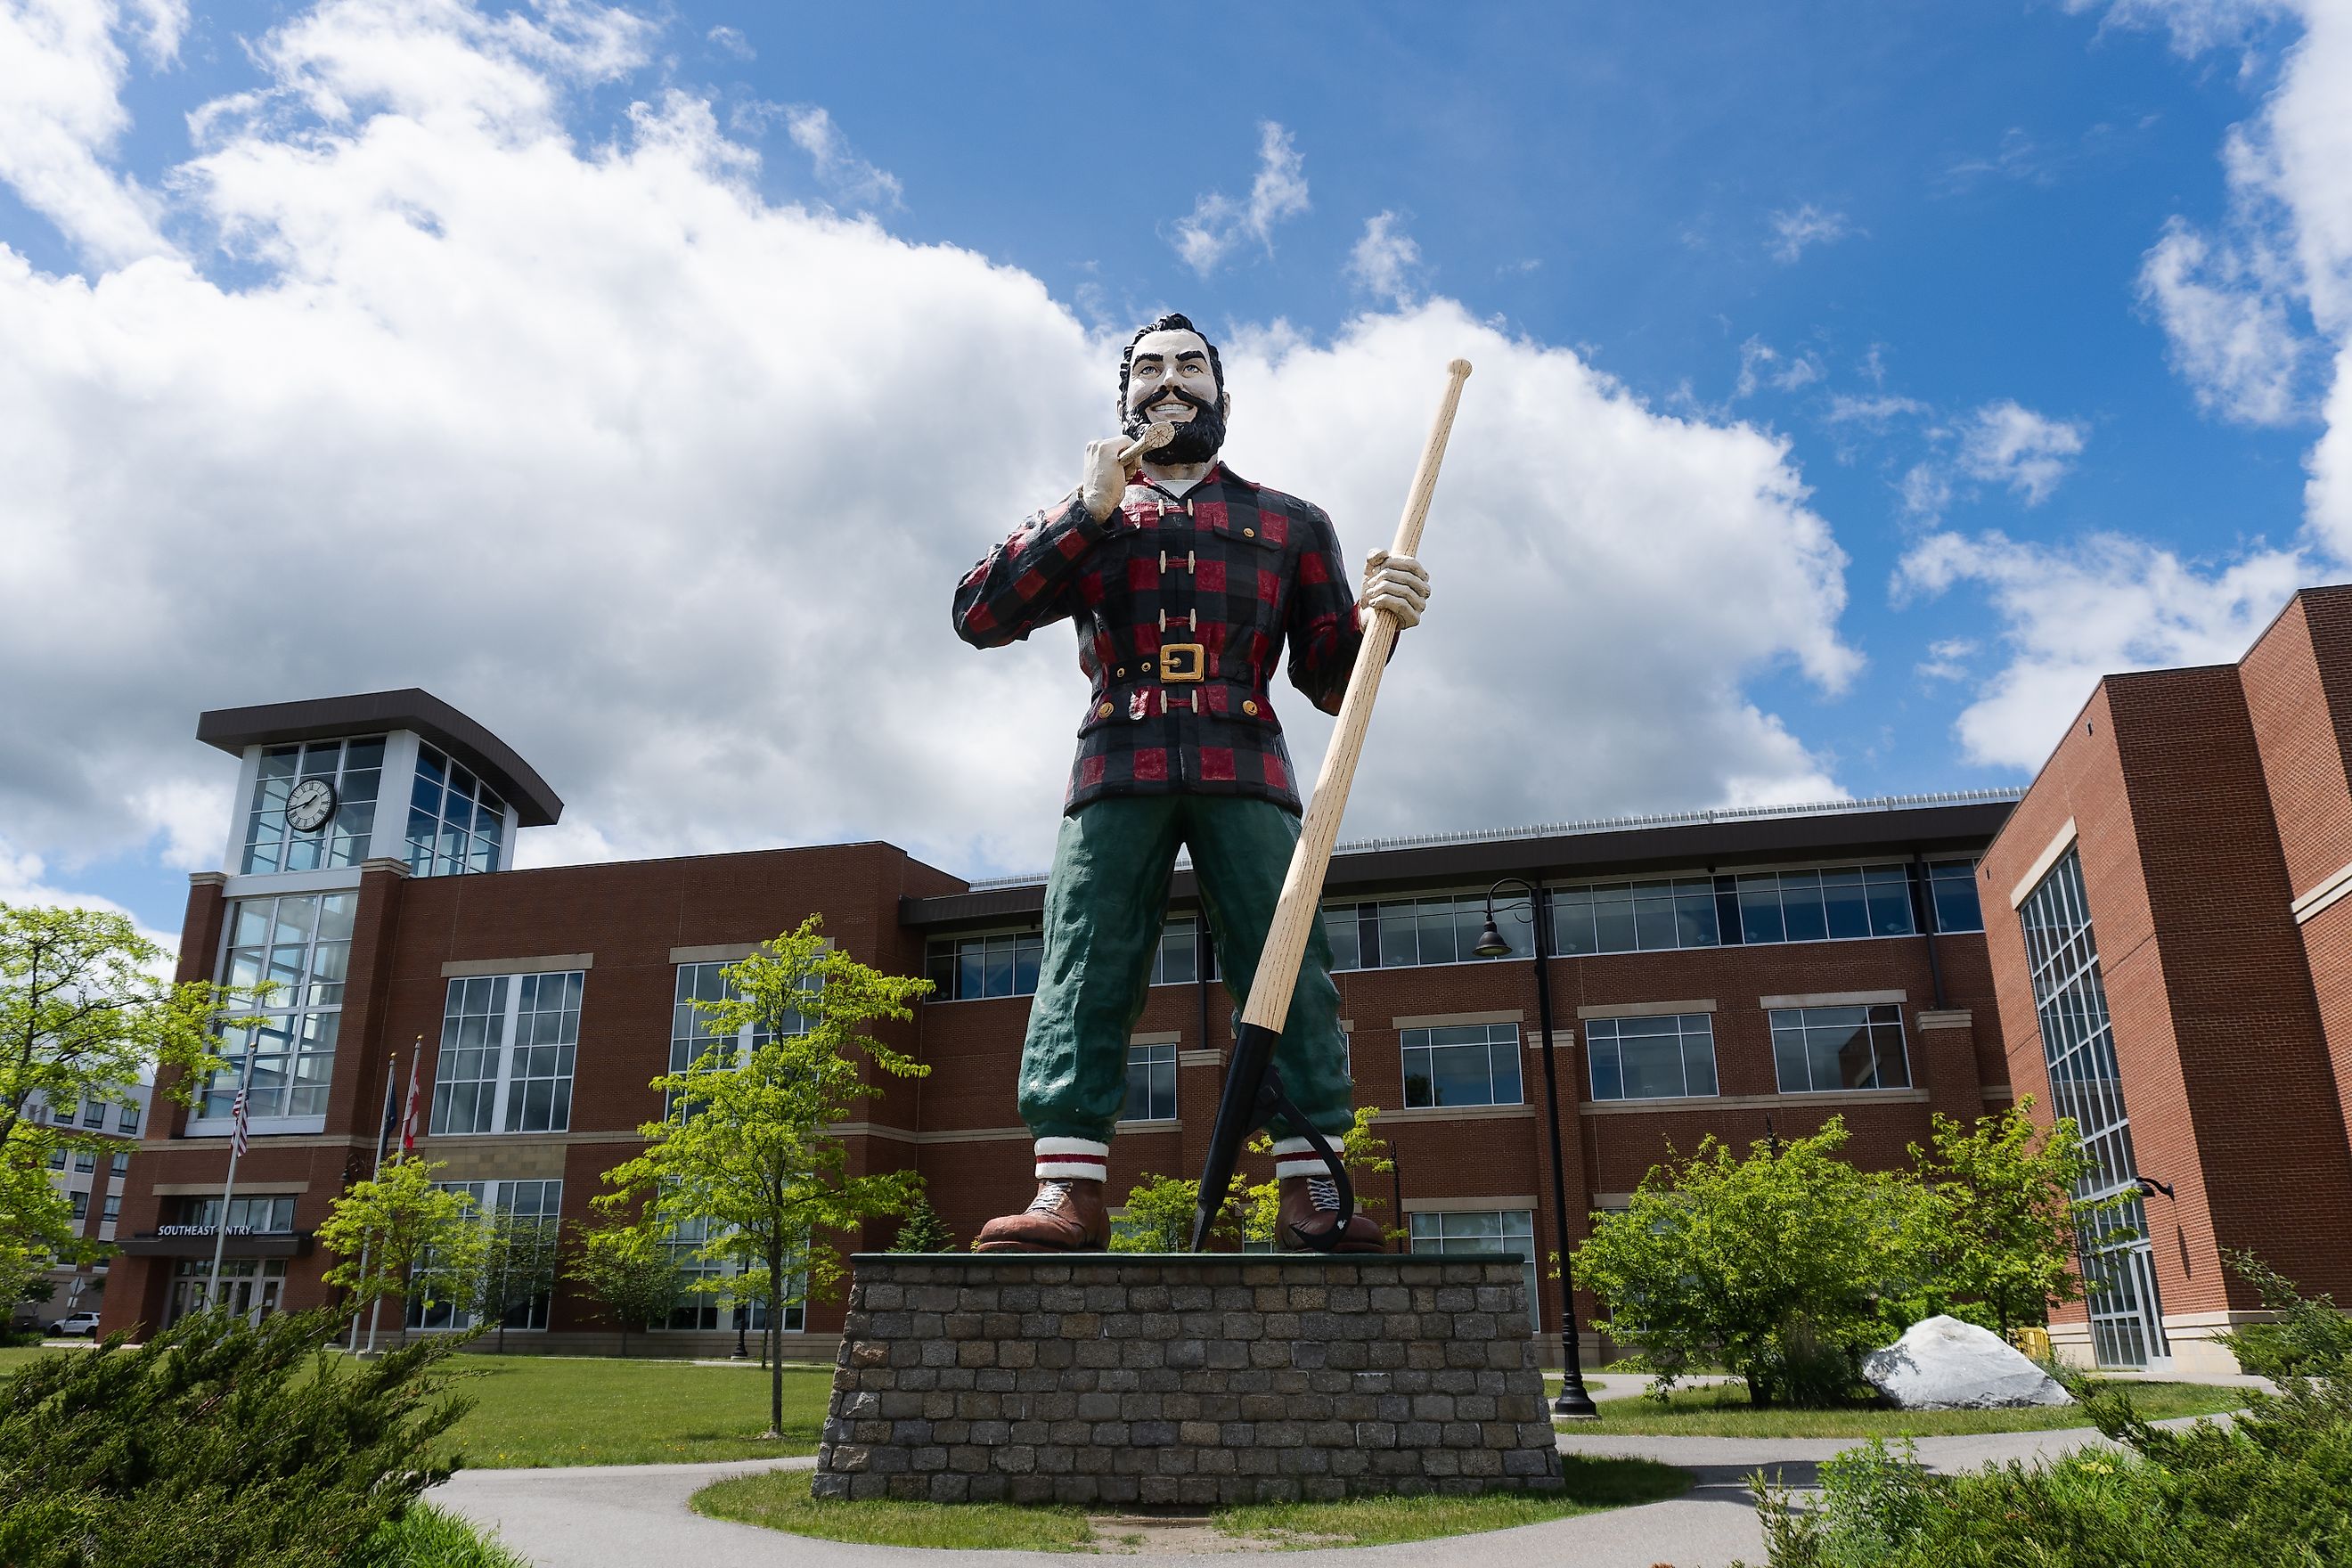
x: 1725, y: 973
x: 2178, y: 976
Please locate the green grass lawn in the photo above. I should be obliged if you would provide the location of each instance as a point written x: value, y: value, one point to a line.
x: 555, y: 1410
x: 779, y: 1501
x: 1723, y: 1412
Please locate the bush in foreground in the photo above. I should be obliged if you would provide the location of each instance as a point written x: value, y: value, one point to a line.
x: 2272, y: 1489
x: 218, y: 1442
x: 425, y: 1537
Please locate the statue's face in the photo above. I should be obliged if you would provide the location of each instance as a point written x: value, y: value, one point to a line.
x: 1169, y: 377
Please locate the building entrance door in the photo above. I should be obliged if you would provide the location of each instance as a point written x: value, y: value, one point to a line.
x: 250, y: 1287
x: 2127, y: 1320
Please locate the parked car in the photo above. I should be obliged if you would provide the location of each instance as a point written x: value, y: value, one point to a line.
x: 74, y: 1326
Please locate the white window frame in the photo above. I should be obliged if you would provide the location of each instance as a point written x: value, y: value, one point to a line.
x: 1501, y: 1242
x: 506, y: 1055
x: 1608, y: 1034
x: 1497, y: 1046
x: 293, y: 1008
x: 1147, y: 1057
x: 1798, y: 1018
x: 493, y: 1196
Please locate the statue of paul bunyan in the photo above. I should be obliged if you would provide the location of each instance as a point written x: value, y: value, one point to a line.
x: 1186, y: 583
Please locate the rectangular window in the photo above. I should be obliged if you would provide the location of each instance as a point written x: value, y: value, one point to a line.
x: 1953, y: 885
x: 540, y: 1202
x: 58, y: 1158
x: 966, y: 969
x: 1835, y: 903
x: 508, y: 1043
x: 93, y: 1113
x: 80, y: 1202
x: 1481, y: 1230
x: 120, y: 1165
x: 1396, y: 934
x: 713, y: 1307
x: 1177, y: 960
x: 1660, y: 915
x: 1652, y: 1059
x: 456, y: 822
x: 1472, y: 1064
x: 1151, y: 1083
x: 112, y: 1210
x: 85, y: 1161
x: 127, y: 1118
x: 270, y: 1215
x: 353, y: 769
x: 301, y: 943
x: 1817, y: 1050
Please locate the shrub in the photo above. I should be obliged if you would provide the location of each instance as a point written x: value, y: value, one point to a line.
x: 426, y: 1536
x: 218, y: 1442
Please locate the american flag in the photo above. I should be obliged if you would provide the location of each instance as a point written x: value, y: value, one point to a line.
x: 237, y: 1136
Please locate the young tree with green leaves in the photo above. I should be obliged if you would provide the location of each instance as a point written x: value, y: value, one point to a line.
x: 516, y: 1261
x: 746, y: 1146
x: 400, y: 1235
x: 924, y: 1230
x: 1159, y: 1215
x: 84, y: 1015
x: 1777, y: 1264
x: 627, y: 1266
x: 2000, y: 1241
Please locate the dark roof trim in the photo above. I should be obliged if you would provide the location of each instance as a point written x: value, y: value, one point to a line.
x: 1635, y: 848
x: 316, y: 719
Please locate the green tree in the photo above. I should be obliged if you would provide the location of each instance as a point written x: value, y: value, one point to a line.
x: 745, y: 1146
x: 1777, y: 1264
x: 1361, y: 1150
x: 629, y: 1269
x: 399, y: 1235
x: 924, y: 1230
x: 1159, y: 1215
x: 2000, y: 1241
x: 83, y: 1017
x: 516, y: 1261
x: 218, y: 1443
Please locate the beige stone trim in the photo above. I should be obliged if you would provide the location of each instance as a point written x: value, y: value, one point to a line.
x: 208, y: 878
x: 1157, y: 1037
x: 973, y: 1135
x: 1144, y: 1127
x: 392, y: 864
x: 1346, y: 1026
x: 1741, y: 1101
x: 1612, y: 1200
x: 546, y: 963
x: 2051, y: 855
x: 1998, y: 1092
x: 450, y: 1142
x: 1465, y: 1205
x: 1457, y: 1113
x: 2323, y: 896
x: 213, y: 1142
x: 716, y: 952
x: 1832, y: 999
x: 1645, y: 1009
x: 244, y: 1189
x: 483, y: 1161
x: 1210, y: 1057
x: 1448, y: 1020
x: 1947, y: 1019
x: 872, y: 1129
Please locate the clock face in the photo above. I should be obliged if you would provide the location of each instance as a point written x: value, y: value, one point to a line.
x: 308, y: 808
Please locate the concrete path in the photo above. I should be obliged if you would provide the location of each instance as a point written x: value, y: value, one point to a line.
x: 636, y: 1516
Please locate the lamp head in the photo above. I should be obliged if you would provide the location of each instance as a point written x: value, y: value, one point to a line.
x: 1490, y: 940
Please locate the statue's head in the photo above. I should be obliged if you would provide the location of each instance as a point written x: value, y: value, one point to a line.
x: 1171, y: 371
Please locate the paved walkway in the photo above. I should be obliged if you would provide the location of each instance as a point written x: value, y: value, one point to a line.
x: 636, y: 1516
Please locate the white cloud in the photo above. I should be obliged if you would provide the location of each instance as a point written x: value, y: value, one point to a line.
x: 2073, y: 614
x: 1385, y: 260
x: 1876, y: 411
x: 25, y: 882
x: 2230, y: 333
x: 732, y: 40
x: 838, y: 168
x: 1926, y: 489
x: 62, y: 112
x: 1218, y: 224
x: 647, y: 473
x: 2010, y: 443
x: 1806, y: 225
x: 1756, y: 357
x: 2196, y: 26
x: 1947, y: 659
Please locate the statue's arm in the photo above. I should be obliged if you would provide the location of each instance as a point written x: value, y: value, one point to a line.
x: 1025, y: 582
x: 1323, y: 627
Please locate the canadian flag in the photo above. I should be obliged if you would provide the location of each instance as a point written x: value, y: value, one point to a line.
x: 408, y: 1113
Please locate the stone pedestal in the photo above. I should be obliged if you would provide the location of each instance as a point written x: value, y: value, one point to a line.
x: 1149, y: 1379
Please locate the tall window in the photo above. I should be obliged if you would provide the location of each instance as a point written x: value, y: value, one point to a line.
x: 456, y: 822
x: 538, y: 1202
x: 508, y: 1043
x: 304, y: 942
x: 1482, y: 1230
x: 127, y: 1118
x: 1151, y: 1083
x: 690, y: 1033
x: 715, y: 1306
x: 1177, y: 960
x: 2069, y: 1001
x: 1953, y: 885
x: 1818, y: 1049
x: 354, y: 769
x: 1474, y: 1064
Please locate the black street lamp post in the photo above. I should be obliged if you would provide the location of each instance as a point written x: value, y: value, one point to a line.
x: 1573, y: 1400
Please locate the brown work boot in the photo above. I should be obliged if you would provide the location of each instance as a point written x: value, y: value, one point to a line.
x: 1310, y: 1205
x: 1066, y: 1216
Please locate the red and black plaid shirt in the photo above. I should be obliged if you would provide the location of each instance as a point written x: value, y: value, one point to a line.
x: 1233, y: 568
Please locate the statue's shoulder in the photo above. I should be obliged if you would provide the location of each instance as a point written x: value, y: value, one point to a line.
x: 1268, y: 499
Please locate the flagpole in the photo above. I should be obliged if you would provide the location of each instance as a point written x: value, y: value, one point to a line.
x: 383, y: 1137
x: 228, y: 1186
x: 407, y: 1145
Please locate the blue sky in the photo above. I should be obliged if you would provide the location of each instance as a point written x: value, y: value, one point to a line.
x: 1894, y: 270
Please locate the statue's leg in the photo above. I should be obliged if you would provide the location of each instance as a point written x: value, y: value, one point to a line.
x: 1105, y: 901
x: 1241, y: 850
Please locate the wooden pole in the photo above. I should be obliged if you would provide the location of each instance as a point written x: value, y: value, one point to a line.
x: 1302, y: 889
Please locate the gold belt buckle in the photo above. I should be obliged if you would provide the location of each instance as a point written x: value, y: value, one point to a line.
x: 1194, y: 658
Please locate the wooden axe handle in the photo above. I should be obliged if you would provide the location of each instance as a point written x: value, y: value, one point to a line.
x: 1302, y: 889
x: 1162, y: 432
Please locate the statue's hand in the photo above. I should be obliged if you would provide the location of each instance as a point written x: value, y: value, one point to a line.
x: 1397, y: 583
x: 1103, y: 481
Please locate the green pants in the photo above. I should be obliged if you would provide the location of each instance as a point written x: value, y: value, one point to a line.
x: 1105, y: 902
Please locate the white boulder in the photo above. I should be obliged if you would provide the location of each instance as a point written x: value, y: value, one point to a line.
x: 1943, y: 1364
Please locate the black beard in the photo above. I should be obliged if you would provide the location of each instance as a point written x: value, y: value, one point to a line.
x: 1197, y: 440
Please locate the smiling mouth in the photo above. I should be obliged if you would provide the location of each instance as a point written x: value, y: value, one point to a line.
x: 1174, y: 410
